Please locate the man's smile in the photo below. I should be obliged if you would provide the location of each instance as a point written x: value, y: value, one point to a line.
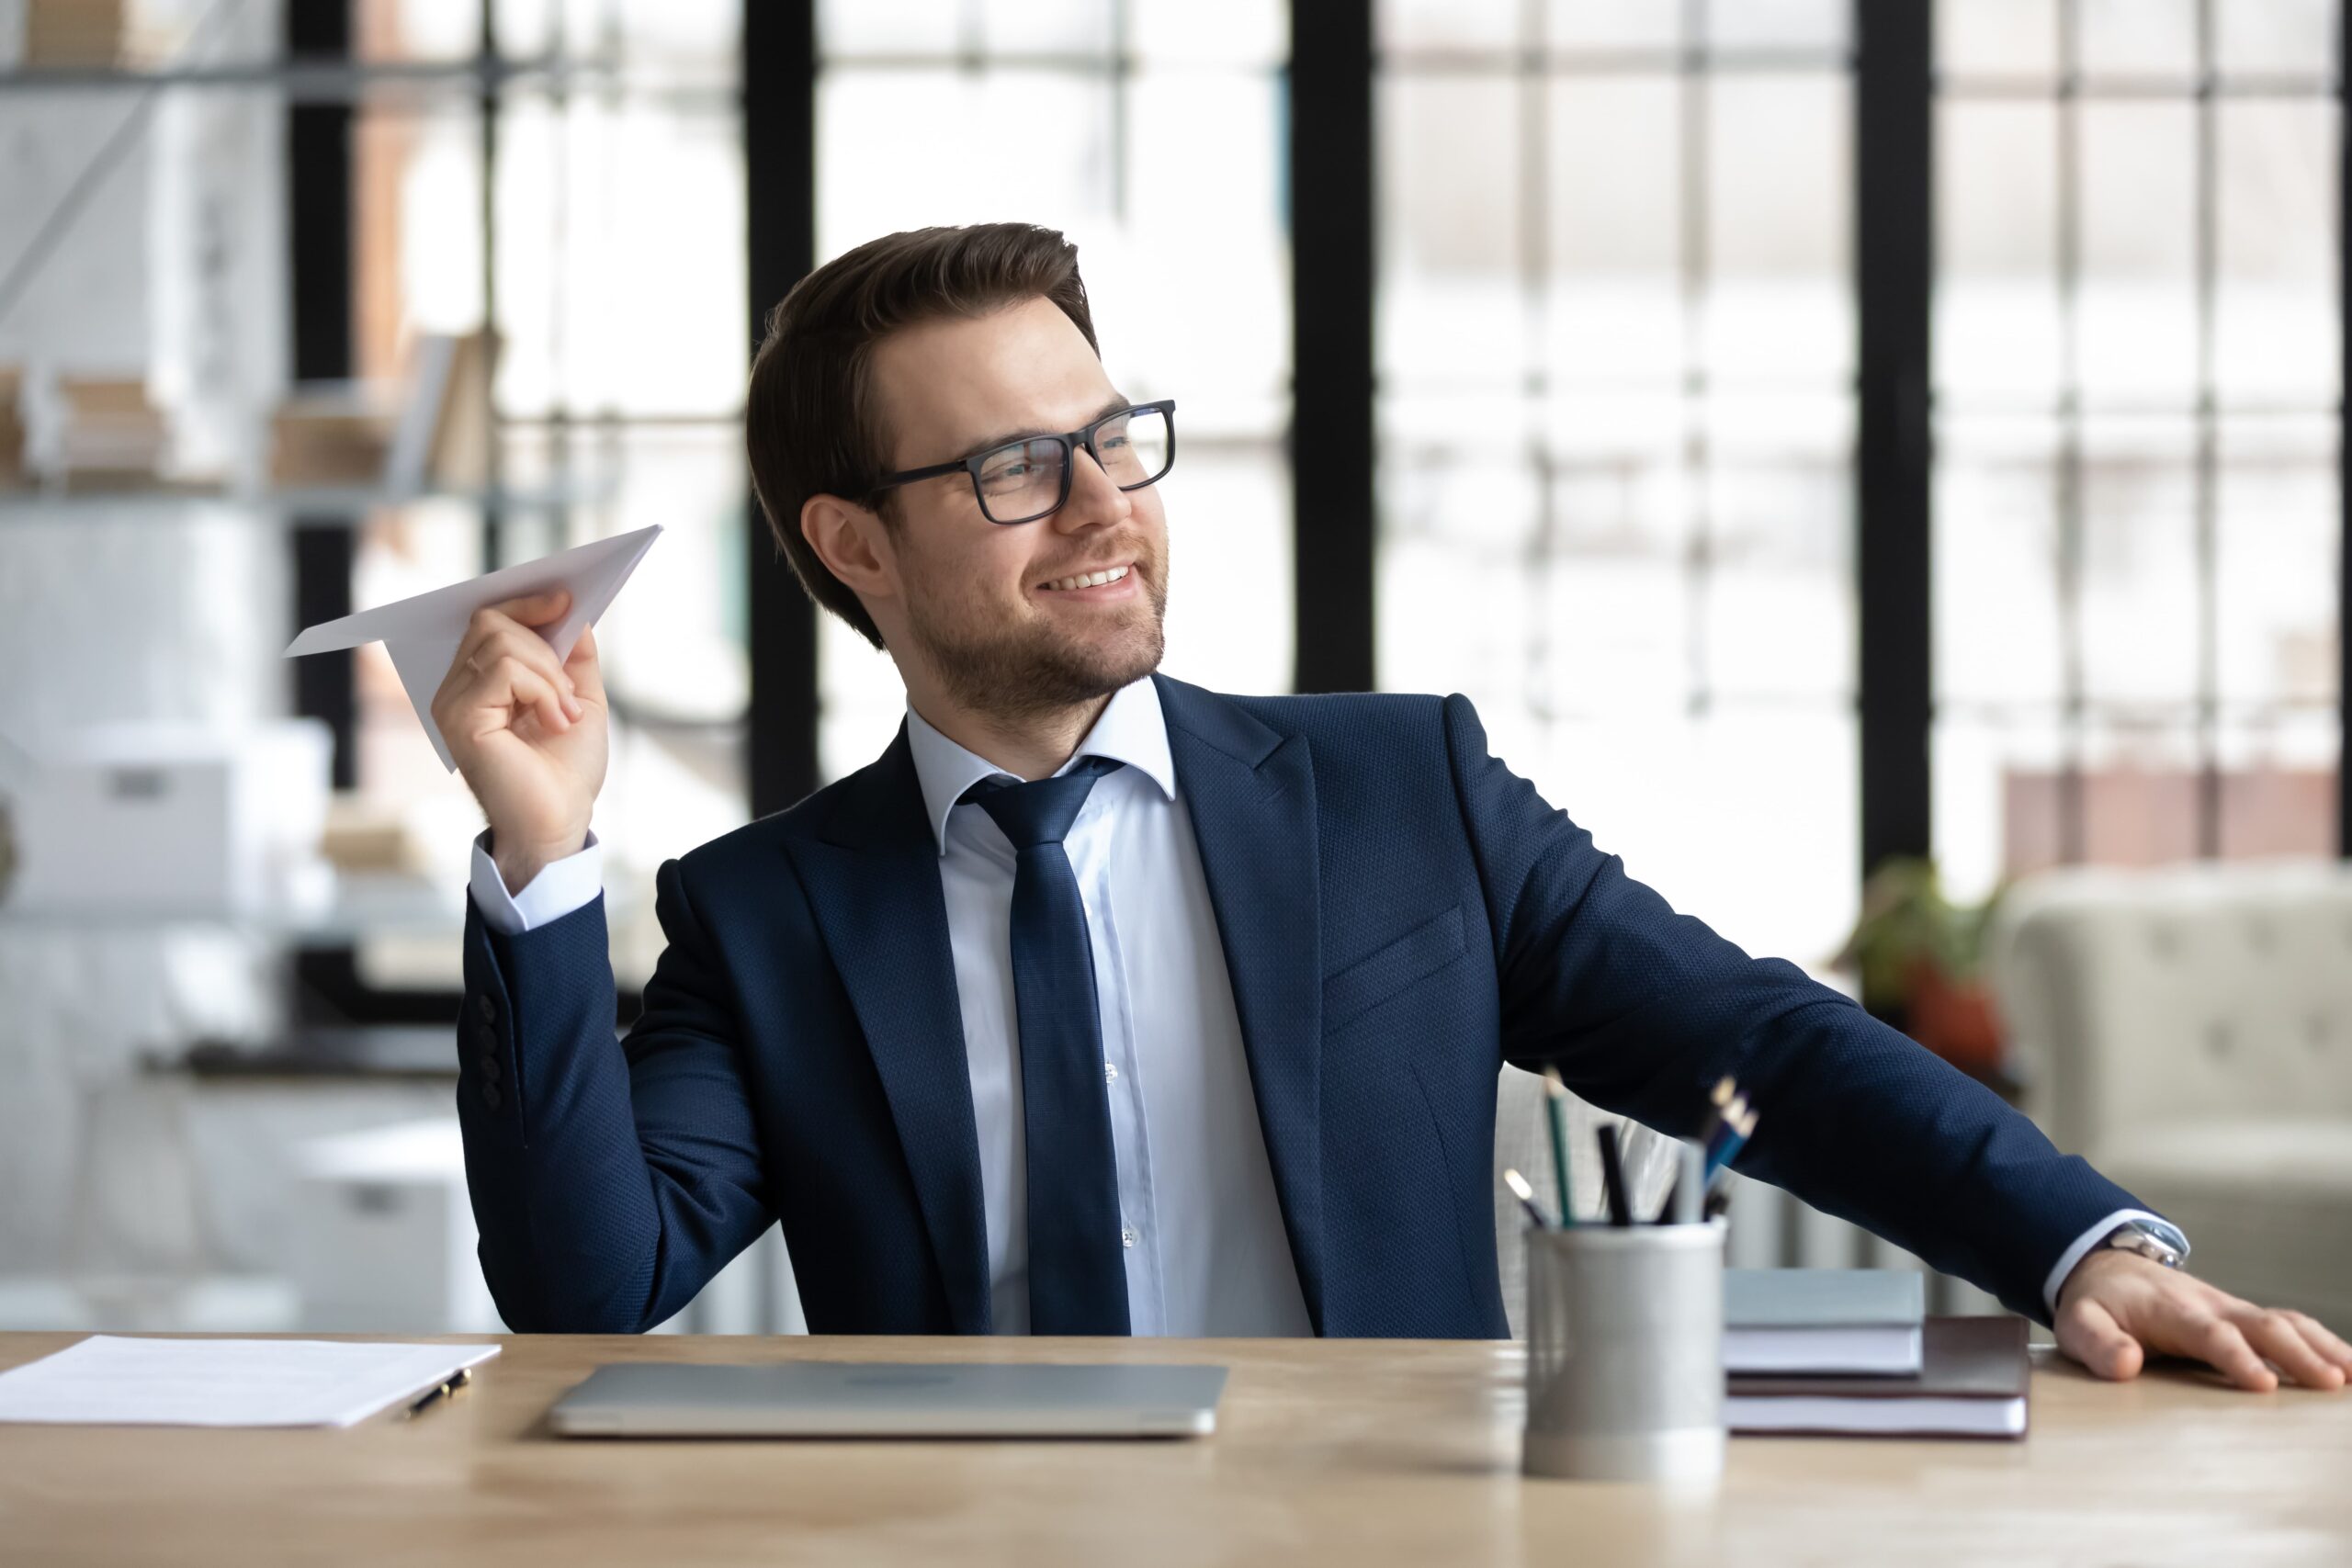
x: 1106, y: 583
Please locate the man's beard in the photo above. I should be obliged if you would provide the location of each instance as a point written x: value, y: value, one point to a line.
x: 1016, y: 672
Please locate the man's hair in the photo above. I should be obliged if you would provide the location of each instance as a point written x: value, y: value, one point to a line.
x: 810, y: 421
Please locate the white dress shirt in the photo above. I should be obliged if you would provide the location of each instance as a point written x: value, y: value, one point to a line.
x: 1206, y: 1252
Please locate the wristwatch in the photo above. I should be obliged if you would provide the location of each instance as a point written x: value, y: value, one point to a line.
x: 2154, y: 1240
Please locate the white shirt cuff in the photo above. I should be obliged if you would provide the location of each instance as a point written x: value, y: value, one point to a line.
x: 562, y: 887
x: 2096, y: 1234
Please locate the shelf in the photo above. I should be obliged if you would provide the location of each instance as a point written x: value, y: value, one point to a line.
x: 366, y: 905
x: 346, y: 505
x: 344, y: 82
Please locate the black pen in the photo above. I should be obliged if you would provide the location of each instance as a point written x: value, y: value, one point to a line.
x: 1612, y: 1175
x: 465, y: 1375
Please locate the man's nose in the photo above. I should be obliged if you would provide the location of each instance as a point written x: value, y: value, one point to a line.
x: 1095, y: 497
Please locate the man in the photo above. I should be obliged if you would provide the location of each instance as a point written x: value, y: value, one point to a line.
x: 1101, y: 1003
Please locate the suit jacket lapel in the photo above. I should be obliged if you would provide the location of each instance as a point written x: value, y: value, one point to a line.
x: 1251, y: 795
x: 874, y: 887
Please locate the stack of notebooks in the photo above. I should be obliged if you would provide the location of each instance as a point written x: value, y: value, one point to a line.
x: 357, y: 433
x: 91, y: 33
x: 113, y: 435
x: 1852, y: 1351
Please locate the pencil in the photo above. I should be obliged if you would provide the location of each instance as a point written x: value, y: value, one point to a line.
x: 1555, y: 1106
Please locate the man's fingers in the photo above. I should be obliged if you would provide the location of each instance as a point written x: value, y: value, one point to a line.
x: 508, y: 616
x: 2322, y: 1338
x: 2216, y: 1340
x: 535, y: 609
x: 587, y: 674
x: 2282, y: 1341
x: 513, y: 685
x: 530, y: 649
x: 2088, y: 1332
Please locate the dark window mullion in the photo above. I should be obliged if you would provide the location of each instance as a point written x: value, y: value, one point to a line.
x: 779, y: 74
x: 1893, y: 204
x: 1333, y: 266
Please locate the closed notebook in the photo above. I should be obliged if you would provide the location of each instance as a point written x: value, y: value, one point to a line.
x: 1973, y: 1385
x: 1857, y: 1321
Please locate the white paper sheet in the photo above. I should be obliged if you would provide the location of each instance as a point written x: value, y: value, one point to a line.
x: 421, y: 634
x: 112, y: 1379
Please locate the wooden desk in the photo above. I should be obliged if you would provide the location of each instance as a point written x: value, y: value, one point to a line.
x: 1355, y: 1452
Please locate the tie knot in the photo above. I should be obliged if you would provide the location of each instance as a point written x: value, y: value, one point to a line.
x: 1040, y: 811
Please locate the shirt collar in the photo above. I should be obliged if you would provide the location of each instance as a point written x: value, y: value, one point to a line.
x: 1132, y: 730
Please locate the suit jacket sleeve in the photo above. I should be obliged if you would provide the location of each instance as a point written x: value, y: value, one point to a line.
x: 610, y: 1179
x: 1642, y: 1009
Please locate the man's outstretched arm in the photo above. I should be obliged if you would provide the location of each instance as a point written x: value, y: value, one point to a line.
x: 1642, y: 1009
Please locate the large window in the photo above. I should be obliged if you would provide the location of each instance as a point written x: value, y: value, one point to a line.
x: 2137, y: 377
x: 586, y: 199
x: 1616, y: 338
x: 1152, y: 135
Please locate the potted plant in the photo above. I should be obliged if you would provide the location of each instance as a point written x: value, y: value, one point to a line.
x: 1919, y: 957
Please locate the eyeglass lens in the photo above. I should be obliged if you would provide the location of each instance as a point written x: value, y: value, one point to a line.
x: 1023, y: 480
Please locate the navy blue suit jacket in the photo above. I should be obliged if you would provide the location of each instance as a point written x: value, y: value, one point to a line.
x: 1400, y: 915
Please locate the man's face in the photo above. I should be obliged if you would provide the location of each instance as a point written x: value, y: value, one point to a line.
x: 977, y: 599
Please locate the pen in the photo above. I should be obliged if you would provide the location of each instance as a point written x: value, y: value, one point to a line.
x: 1556, y: 1108
x: 1612, y: 1175
x: 1525, y: 1192
x: 465, y: 1375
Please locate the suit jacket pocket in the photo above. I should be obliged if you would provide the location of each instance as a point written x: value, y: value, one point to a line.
x: 1380, y: 975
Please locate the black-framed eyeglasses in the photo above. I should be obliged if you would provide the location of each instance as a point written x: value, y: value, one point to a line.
x: 1023, y: 480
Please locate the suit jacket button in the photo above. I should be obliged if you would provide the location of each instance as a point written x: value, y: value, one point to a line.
x: 490, y: 1096
x: 485, y: 1038
x: 485, y: 1009
x: 489, y: 1068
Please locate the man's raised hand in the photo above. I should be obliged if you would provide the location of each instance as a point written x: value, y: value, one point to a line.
x: 527, y: 731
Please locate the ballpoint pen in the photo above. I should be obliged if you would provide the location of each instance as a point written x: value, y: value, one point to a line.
x: 448, y: 1386
x: 1525, y: 1192
x: 1612, y: 1175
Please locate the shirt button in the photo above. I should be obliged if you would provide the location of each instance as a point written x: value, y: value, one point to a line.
x: 1110, y: 1072
x: 1127, y: 1236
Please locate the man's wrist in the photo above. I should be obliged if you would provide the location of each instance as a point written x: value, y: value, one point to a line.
x: 2144, y: 1239
x: 2098, y: 1235
x: 520, y: 866
x: 563, y: 885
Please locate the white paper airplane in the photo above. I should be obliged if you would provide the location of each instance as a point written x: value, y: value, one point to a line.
x: 421, y: 634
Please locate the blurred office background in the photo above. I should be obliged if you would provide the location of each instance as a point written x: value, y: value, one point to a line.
x: 1818, y: 449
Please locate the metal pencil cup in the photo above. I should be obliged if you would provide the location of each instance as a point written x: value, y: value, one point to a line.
x: 1625, y: 1353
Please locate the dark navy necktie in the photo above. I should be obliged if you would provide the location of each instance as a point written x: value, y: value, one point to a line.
x: 1078, y: 1271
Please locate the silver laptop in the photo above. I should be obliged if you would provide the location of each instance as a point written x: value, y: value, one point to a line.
x: 890, y: 1399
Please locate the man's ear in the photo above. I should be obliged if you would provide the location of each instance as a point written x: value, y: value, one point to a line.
x: 852, y: 544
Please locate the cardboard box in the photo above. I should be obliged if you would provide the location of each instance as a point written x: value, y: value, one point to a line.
x: 167, y: 819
